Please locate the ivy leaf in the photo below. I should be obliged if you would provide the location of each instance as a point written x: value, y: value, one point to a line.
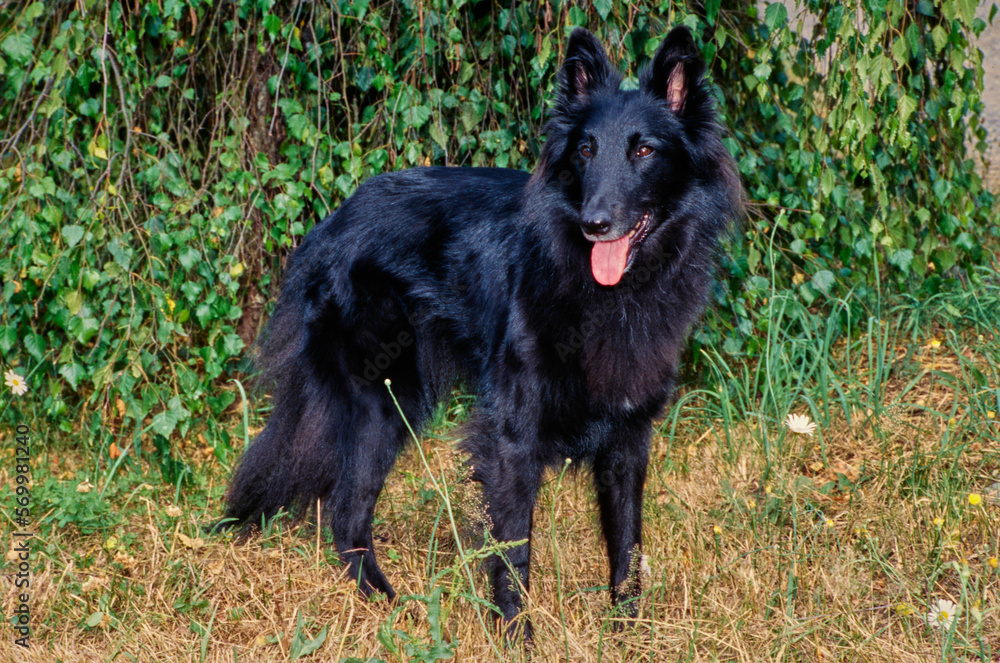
x: 18, y: 46
x: 775, y: 16
x: 826, y: 181
x: 438, y: 135
x: 824, y: 280
x: 902, y: 258
x: 907, y: 105
x: 35, y: 345
x: 166, y: 421
x: 900, y: 51
x: 299, y: 126
x: 940, y: 38
x: 416, y: 116
x: 232, y: 345
x: 72, y: 234
x: 73, y: 374
x: 8, y: 337
x: 966, y: 241
x: 941, y: 189
x: 189, y: 257
x: 121, y: 253
x: 712, y: 10
x: 33, y: 11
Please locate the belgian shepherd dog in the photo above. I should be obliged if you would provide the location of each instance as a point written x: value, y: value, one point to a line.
x: 562, y: 299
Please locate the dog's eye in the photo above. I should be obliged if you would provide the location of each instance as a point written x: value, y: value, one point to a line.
x: 644, y: 151
x: 586, y: 152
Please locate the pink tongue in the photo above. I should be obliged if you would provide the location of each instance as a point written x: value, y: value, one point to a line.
x: 607, y: 260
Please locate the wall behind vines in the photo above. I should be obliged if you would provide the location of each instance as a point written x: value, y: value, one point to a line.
x: 159, y: 158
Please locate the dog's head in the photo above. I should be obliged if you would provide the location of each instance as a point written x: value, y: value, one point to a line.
x: 628, y: 159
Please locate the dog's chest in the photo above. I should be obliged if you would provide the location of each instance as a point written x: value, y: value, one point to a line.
x: 630, y: 360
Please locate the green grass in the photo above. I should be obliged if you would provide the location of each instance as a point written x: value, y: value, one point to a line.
x: 762, y: 544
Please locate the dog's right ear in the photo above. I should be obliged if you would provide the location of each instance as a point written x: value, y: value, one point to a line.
x: 586, y: 67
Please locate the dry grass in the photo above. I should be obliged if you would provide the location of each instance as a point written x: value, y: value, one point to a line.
x: 832, y: 551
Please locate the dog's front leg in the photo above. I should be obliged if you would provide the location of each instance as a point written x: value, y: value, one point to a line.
x: 620, y: 474
x: 510, y: 491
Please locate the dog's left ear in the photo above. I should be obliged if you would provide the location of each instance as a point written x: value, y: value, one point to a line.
x: 676, y: 69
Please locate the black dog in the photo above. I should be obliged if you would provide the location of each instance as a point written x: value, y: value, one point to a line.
x: 563, y: 299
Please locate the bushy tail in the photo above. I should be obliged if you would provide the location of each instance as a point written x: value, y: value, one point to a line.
x: 291, y: 462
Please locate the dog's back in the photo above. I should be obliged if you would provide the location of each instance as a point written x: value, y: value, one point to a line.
x: 407, y: 276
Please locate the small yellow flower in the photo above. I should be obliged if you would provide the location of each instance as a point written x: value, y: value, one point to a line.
x: 717, y: 529
x: 767, y: 489
x: 935, y: 343
x: 975, y: 499
x: 938, y: 522
x: 15, y: 382
x: 991, y: 415
x: 751, y: 504
x: 829, y: 523
x: 800, y: 423
x: 905, y: 609
x: 994, y: 562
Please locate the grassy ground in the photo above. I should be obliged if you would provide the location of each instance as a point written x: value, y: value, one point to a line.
x: 762, y: 544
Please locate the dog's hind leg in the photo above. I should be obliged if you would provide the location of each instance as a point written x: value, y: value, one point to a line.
x: 377, y: 434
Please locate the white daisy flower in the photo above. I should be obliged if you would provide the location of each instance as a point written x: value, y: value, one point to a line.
x: 942, y: 614
x: 15, y: 382
x: 800, y: 423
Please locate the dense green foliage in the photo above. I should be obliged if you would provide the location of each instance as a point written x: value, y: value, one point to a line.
x: 159, y: 159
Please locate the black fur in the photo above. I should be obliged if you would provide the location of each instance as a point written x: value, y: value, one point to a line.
x: 432, y: 274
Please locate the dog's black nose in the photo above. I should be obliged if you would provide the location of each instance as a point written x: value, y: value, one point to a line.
x: 596, y: 226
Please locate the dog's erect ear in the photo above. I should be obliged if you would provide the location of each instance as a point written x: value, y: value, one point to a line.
x: 676, y: 68
x: 586, y: 67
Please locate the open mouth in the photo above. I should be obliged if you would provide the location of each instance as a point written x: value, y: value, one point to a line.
x: 610, y: 259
